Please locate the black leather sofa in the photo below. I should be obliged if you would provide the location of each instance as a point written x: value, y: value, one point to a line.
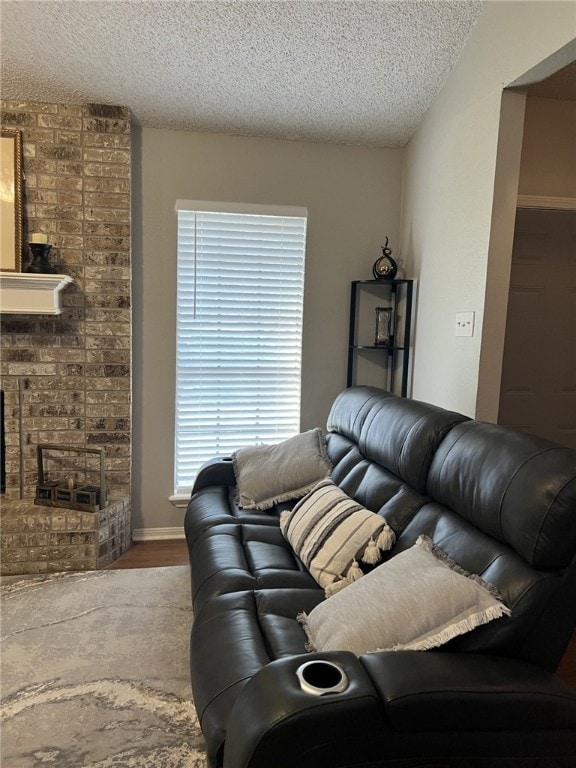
x: 502, y: 504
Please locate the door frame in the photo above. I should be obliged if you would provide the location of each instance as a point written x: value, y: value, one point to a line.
x: 551, y: 203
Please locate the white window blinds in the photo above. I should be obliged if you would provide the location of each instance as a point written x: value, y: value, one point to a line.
x: 239, y: 330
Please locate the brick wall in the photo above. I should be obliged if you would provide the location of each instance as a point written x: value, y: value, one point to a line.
x: 67, y: 378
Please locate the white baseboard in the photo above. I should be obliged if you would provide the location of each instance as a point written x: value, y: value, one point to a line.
x: 157, y: 534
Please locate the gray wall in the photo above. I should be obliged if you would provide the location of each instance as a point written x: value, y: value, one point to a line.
x: 353, y: 198
x: 449, y: 224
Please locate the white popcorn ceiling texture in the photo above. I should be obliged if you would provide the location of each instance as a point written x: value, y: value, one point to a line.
x: 362, y: 72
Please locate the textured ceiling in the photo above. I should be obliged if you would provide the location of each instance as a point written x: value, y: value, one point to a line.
x: 359, y: 72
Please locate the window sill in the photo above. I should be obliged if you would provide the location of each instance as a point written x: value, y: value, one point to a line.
x: 179, y: 500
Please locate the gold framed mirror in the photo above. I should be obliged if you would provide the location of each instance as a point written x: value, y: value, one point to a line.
x: 10, y: 200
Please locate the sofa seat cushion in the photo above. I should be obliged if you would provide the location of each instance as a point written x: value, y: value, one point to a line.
x: 216, y: 505
x: 233, y: 558
x: 448, y: 692
x: 233, y: 637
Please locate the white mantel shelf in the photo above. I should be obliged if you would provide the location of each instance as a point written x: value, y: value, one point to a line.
x: 28, y: 294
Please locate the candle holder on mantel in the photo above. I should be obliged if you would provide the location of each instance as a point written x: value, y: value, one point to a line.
x: 39, y: 264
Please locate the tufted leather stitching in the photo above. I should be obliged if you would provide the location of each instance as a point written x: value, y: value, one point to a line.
x: 403, y: 447
x: 230, y: 568
x: 546, y: 515
x: 236, y: 610
x: 537, y: 537
x: 430, y: 450
x: 358, y: 416
x: 439, y: 473
x: 440, y: 470
x: 434, y: 448
x: 368, y: 421
x: 211, y: 576
x: 369, y: 409
x: 261, y: 628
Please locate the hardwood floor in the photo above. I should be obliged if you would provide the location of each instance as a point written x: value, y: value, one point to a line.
x: 153, y: 554
x: 567, y: 668
x: 156, y: 554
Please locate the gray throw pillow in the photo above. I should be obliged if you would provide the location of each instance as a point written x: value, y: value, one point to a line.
x: 269, y: 474
x: 396, y: 606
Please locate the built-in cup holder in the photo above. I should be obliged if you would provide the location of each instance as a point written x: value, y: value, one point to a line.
x: 320, y: 677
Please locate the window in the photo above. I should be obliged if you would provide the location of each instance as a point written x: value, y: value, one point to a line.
x: 239, y: 329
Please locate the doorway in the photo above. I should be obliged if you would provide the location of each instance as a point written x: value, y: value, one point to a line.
x: 538, y: 389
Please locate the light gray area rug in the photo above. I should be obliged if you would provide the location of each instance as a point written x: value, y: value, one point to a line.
x: 95, y: 671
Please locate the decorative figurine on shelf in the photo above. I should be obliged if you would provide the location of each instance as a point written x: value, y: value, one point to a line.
x: 385, y: 268
x: 40, y: 248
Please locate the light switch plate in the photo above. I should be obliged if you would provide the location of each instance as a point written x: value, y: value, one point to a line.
x: 464, y: 324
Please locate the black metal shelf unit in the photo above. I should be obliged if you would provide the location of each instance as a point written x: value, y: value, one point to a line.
x: 393, y: 355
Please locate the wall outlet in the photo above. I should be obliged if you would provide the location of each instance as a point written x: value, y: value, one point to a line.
x: 464, y: 324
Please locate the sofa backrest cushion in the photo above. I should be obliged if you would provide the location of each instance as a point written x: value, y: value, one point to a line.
x: 500, y: 502
x: 515, y: 487
x: 542, y: 603
x: 398, y: 434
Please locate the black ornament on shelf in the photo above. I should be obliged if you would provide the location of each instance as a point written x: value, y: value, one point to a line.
x: 385, y: 268
x: 39, y: 264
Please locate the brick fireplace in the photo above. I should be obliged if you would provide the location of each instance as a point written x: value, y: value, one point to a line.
x: 67, y: 378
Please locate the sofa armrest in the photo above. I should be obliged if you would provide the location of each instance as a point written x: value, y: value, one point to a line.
x: 439, y: 692
x: 218, y: 471
x: 399, y: 706
x: 275, y: 723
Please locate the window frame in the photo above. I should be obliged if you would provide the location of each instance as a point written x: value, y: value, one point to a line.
x: 182, y: 492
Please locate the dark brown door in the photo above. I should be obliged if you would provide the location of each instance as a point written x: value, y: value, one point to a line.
x: 538, y: 390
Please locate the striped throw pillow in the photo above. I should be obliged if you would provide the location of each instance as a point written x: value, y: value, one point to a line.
x: 330, y: 532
